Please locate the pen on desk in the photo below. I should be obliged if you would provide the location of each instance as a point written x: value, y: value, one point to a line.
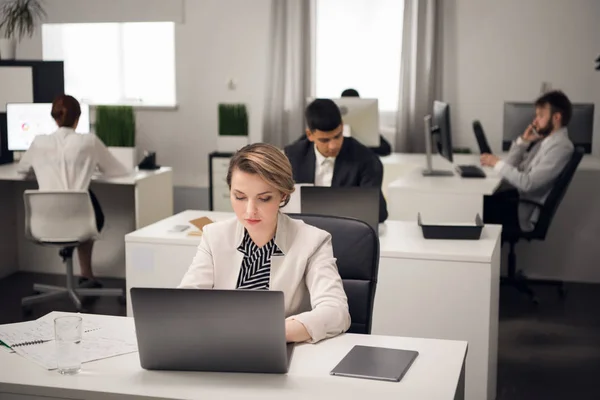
x: 30, y: 343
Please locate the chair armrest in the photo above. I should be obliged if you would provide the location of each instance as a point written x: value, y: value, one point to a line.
x: 533, y: 203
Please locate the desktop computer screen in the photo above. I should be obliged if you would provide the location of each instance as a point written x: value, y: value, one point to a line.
x: 440, y: 129
x: 518, y: 115
x: 361, y: 116
x: 27, y: 120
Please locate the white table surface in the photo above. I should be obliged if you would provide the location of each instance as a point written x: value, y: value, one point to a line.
x: 413, y: 179
x: 404, y: 171
x: 9, y: 172
x: 589, y: 161
x: 434, y: 375
x: 398, y: 239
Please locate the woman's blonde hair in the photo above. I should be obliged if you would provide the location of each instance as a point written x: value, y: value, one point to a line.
x: 268, y: 162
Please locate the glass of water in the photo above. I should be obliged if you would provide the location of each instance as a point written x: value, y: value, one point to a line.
x: 67, y: 333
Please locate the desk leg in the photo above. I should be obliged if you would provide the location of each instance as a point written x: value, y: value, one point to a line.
x: 460, y: 388
x: 153, y: 199
x: 8, y: 230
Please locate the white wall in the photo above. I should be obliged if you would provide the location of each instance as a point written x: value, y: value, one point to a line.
x: 218, y: 40
x: 496, y: 51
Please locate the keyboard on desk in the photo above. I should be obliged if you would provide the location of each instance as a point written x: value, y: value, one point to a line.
x: 470, y: 171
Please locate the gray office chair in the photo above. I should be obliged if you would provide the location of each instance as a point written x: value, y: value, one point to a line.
x: 356, y: 248
x: 63, y: 219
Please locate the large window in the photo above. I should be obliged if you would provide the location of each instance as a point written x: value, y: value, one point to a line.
x: 358, y: 45
x: 115, y: 63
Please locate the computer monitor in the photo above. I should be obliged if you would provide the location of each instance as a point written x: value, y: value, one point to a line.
x: 437, y: 134
x: 27, y: 120
x: 440, y: 129
x: 361, y: 116
x: 429, y: 171
x: 361, y: 203
x: 518, y: 115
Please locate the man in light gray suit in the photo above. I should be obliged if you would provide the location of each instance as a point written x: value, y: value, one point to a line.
x: 532, y: 165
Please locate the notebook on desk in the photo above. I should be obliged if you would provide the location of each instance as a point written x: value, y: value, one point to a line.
x: 375, y: 363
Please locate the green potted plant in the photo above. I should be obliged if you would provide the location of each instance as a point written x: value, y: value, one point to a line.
x: 233, y: 127
x: 115, y: 126
x: 18, y: 19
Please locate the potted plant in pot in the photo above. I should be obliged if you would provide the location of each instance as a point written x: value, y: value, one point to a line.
x: 115, y: 126
x: 18, y: 18
x: 233, y: 127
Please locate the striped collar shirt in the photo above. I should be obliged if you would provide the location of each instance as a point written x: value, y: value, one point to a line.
x: 255, y: 273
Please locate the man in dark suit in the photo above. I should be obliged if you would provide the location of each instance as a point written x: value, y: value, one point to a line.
x: 384, y: 148
x: 328, y: 158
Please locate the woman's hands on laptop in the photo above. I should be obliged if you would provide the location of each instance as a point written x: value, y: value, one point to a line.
x: 295, y: 331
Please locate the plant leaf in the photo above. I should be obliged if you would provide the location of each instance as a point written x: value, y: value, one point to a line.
x: 18, y: 18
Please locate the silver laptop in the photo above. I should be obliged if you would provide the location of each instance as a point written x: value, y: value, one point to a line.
x: 211, y: 330
x: 355, y: 202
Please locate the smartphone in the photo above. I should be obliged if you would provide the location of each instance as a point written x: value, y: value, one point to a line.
x: 179, y: 228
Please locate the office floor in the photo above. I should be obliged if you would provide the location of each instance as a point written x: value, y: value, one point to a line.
x: 548, y: 352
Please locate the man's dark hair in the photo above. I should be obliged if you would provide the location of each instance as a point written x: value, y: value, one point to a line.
x: 559, y: 103
x: 323, y: 115
x: 350, y: 93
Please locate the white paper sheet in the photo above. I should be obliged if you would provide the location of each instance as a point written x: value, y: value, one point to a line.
x: 99, y: 341
x: 92, y: 349
x: 30, y: 331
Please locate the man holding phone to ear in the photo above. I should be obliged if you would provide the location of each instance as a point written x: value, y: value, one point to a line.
x: 533, y: 163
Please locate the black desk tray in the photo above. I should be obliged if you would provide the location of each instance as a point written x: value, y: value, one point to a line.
x: 452, y: 232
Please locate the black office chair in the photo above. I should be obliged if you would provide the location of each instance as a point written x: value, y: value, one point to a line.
x: 475, y: 171
x: 547, y: 211
x: 482, y: 142
x: 356, y: 247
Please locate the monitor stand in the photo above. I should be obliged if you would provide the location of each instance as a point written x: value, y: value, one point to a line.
x: 429, y: 171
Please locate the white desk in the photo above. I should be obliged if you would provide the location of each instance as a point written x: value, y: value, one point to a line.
x: 433, y: 289
x: 438, y: 199
x: 129, y: 202
x: 436, y: 374
x: 569, y: 252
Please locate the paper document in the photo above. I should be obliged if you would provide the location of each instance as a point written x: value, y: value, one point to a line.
x: 34, y: 331
x: 92, y: 349
x: 34, y: 340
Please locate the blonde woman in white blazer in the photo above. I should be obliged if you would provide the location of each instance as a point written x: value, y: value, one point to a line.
x: 264, y: 249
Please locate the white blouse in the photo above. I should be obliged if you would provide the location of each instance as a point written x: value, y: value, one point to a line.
x: 65, y: 160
